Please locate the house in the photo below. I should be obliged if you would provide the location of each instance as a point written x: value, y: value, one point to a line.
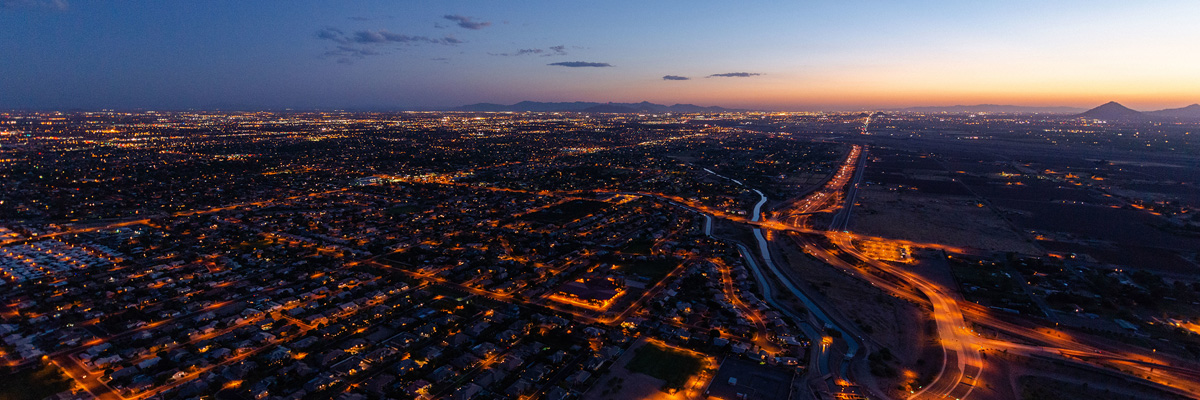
x: 219, y: 353
x: 465, y: 361
x: 419, y: 388
x: 519, y: 388
x: 405, y: 366
x: 379, y: 384
x: 278, y: 354
x: 103, y: 362
x: 467, y: 392
x: 429, y: 353
x: 304, y: 343
x: 579, y: 377
x: 149, y: 363
x: 484, y: 349
x: 441, y: 374
x: 557, y: 393
x: 511, y: 363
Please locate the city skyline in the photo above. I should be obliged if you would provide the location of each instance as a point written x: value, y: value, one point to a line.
x: 426, y: 55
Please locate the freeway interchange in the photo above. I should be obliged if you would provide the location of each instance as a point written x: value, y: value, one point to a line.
x: 964, y: 365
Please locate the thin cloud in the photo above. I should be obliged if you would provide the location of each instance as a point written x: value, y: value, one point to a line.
x: 378, y: 37
x: 735, y: 75
x: 521, y: 52
x: 467, y: 22
x: 330, y: 33
x: 675, y: 78
x: 382, y: 36
x: 57, y: 5
x: 578, y: 64
x: 547, y: 52
x: 371, y: 18
x: 357, y: 52
x: 347, y: 54
x: 362, y: 44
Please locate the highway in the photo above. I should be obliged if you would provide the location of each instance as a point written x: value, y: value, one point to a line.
x: 816, y: 200
x: 962, y: 363
x: 1173, y: 379
x: 815, y: 309
x: 841, y: 220
x: 821, y: 356
x: 962, y: 348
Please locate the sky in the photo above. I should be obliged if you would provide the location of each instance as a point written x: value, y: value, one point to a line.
x: 775, y: 55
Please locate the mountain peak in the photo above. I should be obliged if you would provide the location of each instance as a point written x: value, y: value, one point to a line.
x: 1113, y: 111
x: 1112, y: 105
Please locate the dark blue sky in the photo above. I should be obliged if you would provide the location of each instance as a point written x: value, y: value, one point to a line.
x: 769, y: 54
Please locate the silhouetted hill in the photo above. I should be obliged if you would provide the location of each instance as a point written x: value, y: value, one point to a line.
x: 1191, y: 112
x: 583, y: 106
x: 993, y: 108
x: 613, y: 109
x: 1113, y: 111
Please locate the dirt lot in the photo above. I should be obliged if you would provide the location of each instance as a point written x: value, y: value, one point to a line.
x: 948, y: 220
x: 893, y: 323
x: 620, y: 383
x: 1037, y: 379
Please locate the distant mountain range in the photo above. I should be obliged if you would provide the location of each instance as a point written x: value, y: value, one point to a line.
x: 1113, y: 111
x: 1191, y: 112
x: 584, y: 106
x: 992, y: 108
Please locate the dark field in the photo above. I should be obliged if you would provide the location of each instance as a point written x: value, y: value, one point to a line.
x: 672, y: 366
x: 567, y: 212
x: 34, y: 384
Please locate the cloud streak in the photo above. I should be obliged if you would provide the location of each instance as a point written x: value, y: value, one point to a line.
x: 347, y: 54
x: 580, y: 64
x: 734, y: 75
x: 547, y: 52
x: 383, y: 36
x: 57, y: 5
x: 380, y: 36
x: 467, y: 22
x: 675, y: 78
x: 357, y: 45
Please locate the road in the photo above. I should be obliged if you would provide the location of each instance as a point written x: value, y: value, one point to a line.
x: 760, y: 335
x: 89, y: 382
x: 852, y: 342
x: 962, y: 362
x: 821, y: 355
x: 960, y: 345
x: 143, y: 220
x: 841, y: 220
x: 824, y: 362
